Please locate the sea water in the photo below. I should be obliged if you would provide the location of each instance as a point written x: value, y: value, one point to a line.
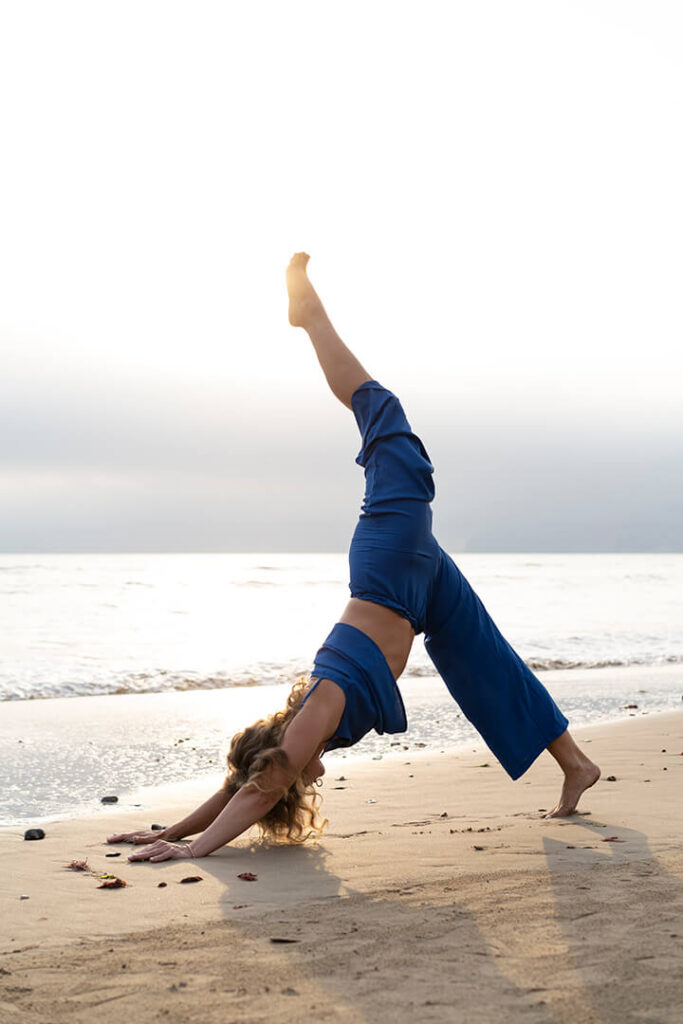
x: 118, y: 671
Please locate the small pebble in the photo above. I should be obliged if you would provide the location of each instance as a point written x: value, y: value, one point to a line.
x: 24, y: 897
x: 34, y: 833
x: 191, y: 878
x: 112, y: 855
x: 158, y: 828
x: 162, y: 885
x: 109, y: 800
x: 611, y: 778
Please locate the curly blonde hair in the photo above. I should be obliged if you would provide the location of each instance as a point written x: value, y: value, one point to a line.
x: 255, y: 751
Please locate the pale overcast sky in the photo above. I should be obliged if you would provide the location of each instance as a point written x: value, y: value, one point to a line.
x: 491, y: 195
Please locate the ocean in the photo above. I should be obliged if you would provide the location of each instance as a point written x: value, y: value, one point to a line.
x: 120, y: 671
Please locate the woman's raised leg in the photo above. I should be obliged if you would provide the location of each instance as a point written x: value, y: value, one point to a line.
x: 341, y: 368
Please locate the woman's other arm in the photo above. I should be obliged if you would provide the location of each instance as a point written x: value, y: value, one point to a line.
x: 195, y: 822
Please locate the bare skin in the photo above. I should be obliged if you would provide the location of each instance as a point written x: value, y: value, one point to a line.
x: 222, y: 818
x: 392, y: 633
x: 580, y: 773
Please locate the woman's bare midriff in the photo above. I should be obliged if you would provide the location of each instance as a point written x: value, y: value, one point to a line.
x: 392, y: 633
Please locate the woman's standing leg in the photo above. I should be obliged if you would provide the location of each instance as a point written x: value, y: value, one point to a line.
x: 342, y: 370
x: 498, y: 693
x: 580, y: 773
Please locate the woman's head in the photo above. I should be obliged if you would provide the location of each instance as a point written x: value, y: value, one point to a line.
x: 256, y: 751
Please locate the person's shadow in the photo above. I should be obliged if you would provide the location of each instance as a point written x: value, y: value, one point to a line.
x: 413, y: 952
x: 620, y: 912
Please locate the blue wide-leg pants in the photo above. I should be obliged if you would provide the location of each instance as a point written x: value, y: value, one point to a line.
x: 395, y: 560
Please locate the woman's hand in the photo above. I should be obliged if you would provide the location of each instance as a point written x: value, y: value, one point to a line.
x: 141, y: 836
x: 161, y: 850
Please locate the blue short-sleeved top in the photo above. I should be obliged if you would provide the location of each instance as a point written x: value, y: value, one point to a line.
x: 355, y: 663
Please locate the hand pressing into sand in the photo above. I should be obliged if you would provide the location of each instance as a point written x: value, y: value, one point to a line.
x: 141, y: 836
x: 161, y: 850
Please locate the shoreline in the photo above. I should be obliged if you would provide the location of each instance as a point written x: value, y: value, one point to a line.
x: 436, y: 884
x: 59, y: 757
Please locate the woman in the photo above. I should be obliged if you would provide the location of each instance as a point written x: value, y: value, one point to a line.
x: 402, y: 583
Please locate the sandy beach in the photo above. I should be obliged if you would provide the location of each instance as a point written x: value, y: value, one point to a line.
x: 437, y: 893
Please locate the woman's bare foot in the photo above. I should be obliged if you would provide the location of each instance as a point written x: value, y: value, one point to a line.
x: 580, y: 773
x: 304, y: 303
x: 576, y: 781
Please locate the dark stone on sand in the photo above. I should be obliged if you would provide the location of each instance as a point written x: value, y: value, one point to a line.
x: 611, y: 778
x: 158, y: 828
x: 191, y: 878
x: 162, y: 885
x: 109, y: 800
x: 34, y: 833
x: 112, y: 855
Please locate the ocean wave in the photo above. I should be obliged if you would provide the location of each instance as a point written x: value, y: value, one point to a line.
x: 552, y: 664
x: 266, y: 674
x: 151, y: 682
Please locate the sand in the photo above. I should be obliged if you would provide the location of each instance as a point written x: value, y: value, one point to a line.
x: 438, y: 893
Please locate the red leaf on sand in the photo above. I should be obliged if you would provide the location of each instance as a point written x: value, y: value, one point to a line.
x: 612, y: 839
x: 248, y: 876
x: 240, y: 906
x: 113, y: 883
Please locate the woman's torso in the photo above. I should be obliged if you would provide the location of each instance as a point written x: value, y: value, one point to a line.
x: 392, y: 633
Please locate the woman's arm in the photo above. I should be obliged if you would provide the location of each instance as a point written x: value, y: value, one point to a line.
x: 311, y: 727
x: 195, y: 822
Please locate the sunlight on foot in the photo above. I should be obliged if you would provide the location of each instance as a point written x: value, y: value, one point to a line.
x: 576, y: 781
x: 303, y: 301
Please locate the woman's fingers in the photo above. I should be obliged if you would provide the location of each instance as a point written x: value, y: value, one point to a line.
x: 151, y: 851
x: 146, y: 852
x: 161, y: 850
x: 139, y: 836
x: 164, y: 855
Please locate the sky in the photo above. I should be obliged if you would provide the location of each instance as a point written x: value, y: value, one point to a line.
x: 490, y: 193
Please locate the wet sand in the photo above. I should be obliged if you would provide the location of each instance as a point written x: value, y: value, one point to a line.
x: 438, y: 893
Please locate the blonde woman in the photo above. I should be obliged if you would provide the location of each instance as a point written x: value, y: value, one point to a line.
x: 402, y: 584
